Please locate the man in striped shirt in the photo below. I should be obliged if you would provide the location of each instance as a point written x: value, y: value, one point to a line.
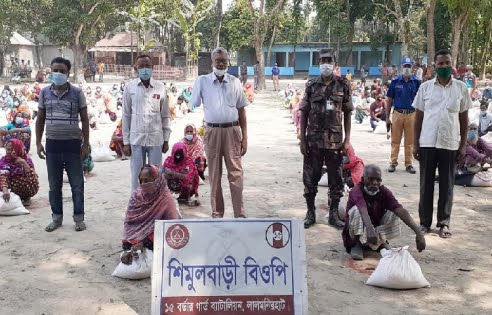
x: 60, y: 108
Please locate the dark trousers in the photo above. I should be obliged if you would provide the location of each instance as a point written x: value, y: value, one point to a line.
x: 60, y: 155
x: 445, y: 162
x: 312, y: 168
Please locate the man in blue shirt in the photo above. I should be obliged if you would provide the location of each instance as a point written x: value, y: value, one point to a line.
x: 400, y: 96
x: 275, y: 74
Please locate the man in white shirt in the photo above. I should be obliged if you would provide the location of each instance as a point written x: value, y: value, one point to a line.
x: 441, y: 125
x: 484, y: 119
x: 226, y: 135
x: 146, y: 119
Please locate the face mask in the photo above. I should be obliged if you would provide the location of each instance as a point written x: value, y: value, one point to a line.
x: 19, y: 120
x: 220, y: 73
x: 371, y: 193
x: 472, y: 135
x: 483, y: 112
x: 326, y: 69
x: 406, y: 72
x: 345, y: 159
x: 189, y: 137
x: 444, y: 72
x: 59, y: 78
x: 4, y: 95
x: 145, y: 73
x: 16, y: 104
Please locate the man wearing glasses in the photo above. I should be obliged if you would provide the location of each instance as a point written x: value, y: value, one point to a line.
x: 226, y: 134
x: 400, y: 96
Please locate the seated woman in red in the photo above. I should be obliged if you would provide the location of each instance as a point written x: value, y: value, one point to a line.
x: 195, y: 149
x: 182, y: 175
x: 151, y: 201
x: 353, y: 167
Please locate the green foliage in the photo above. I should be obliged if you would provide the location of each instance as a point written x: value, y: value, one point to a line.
x: 237, y: 26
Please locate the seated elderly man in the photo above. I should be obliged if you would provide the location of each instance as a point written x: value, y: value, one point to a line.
x: 478, y: 152
x: 373, y: 215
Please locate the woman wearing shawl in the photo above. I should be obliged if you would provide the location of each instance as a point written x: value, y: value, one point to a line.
x: 353, y: 167
x: 17, y: 173
x: 181, y: 174
x: 116, y: 143
x: 151, y: 201
x: 18, y: 129
x: 195, y: 148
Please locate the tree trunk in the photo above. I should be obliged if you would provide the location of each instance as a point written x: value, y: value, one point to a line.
x: 349, y: 61
x: 294, y: 58
x: 350, y: 36
x: 261, y: 59
x: 272, y: 40
x: 485, y: 50
x: 219, y: 22
x: 2, y: 62
x: 431, y: 43
x: 78, y: 62
x: 455, y: 46
x: 465, y: 45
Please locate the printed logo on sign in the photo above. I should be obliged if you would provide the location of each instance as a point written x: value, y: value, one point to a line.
x: 177, y: 236
x: 277, y: 235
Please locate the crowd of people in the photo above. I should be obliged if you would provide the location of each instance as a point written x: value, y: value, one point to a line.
x: 398, y: 103
x: 322, y: 112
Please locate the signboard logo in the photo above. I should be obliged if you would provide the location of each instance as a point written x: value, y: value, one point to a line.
x: 177, y: 236
x: 277, y: 235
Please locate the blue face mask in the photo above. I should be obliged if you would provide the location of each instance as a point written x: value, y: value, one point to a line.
x: 472, y: 135
x: 145, y: 73
x: 59, y: 78
x: 189, y: 137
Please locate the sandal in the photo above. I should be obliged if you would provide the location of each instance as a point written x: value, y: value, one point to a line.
x: 425, y: 229
x: 444, y: 232
x: 80, y: 226
x: 52, y: 226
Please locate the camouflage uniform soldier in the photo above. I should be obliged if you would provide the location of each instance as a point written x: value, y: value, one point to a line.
x: 326, y: 104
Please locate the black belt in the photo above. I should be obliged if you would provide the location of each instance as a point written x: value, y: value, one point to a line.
x: 405, y: 111
x: 223, y: 125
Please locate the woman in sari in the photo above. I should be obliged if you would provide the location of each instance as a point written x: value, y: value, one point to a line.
x: 353, y: 167
x: 18, y: 129
x: 17, y: 173
x: 195, y: 149
x: 181, y: 174
x: 151, y: 201
x: 116, y: 143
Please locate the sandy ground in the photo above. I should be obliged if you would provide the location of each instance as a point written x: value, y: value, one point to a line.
x: 65, y: 272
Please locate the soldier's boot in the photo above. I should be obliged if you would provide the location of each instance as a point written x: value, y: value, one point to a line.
x: 310, y: 218
x: 333, y: 218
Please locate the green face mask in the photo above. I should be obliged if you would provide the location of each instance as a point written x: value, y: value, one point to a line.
x: 444, y: 72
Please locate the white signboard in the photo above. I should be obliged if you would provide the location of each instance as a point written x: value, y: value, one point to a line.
x: 244, y: 266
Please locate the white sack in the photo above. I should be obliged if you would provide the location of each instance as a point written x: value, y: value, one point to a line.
x: 397, y: 269
x: 324, y: 180
x: 13, y: 207
x: 140, y: 268
x: 380, y: 128
x: 102, y: 154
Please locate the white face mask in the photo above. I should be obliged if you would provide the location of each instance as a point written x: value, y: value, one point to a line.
x: 406, y: 72
x: 19, y: 120
x: 326, y: 69
x: 220, y: 73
